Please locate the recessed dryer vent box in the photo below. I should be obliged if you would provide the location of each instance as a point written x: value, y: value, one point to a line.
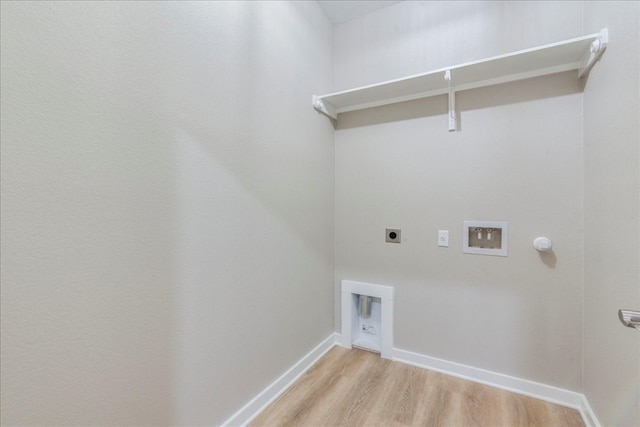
x: 485, y: 238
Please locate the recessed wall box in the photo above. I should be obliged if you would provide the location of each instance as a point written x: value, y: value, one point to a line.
x: 485, y: 238
x: 374, y: 332
x: 392, y: 235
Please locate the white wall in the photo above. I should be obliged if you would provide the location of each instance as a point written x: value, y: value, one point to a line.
x: 517, y: 158
x: 167, y: 207
x: 167, y: 201
x: 417, y: 36
x: 612, y: 215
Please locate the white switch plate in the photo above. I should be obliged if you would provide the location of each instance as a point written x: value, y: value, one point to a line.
x: 443, y: 238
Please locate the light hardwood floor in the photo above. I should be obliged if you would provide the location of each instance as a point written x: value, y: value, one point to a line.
x: 359, y: 388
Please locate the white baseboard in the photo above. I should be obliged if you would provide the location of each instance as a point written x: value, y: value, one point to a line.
x: 513, y: 384
x: 589, y: 417
x: 506, y: 382
x: 249, y: 411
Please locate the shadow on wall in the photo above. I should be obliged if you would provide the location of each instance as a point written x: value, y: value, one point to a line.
x: 137, y: 134
x: 555, y: 85
x: 548, y: 258
x: 278, y: 155
x: 255, y: 199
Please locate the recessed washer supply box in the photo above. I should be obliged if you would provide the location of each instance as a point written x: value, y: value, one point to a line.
x: 485, y: 237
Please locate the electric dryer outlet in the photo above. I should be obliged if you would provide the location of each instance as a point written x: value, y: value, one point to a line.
x: 392, y: 235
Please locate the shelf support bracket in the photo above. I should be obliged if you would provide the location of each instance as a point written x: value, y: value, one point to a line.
x: 326, y: 109
x: 452, y: 102
x: 597, y: 48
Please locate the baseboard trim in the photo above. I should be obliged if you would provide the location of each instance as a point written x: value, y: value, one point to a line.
x: 589, y: 417
x: 249, y: 411
x: 505, y: 382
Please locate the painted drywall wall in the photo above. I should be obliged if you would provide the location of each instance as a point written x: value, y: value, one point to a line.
x: 517, y: 158
x: 612, y: 216
x: 418, y: 36
x: 167, y: 207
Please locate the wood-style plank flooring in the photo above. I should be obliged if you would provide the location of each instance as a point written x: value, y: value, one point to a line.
x: 359, y: 388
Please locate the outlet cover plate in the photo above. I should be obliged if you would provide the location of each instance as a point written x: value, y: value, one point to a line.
x: 497, y: 248
x: 392, y: 235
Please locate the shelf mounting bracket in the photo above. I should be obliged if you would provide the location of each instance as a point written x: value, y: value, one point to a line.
x: 452, y: 102
x: 326, y: 109
x: 597, y: 48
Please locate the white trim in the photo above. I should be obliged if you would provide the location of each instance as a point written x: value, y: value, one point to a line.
x: 348, y: 311
x: 505, y: 382
x: 256, y: 405
x: 589, y: 417
x: 529, y: 388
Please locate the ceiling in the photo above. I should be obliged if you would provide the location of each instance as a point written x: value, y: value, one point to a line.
x: 340, y: 11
